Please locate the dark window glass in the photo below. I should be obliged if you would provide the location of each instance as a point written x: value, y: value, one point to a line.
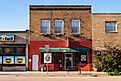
x: 20, y: 50
x: 1, y: 51
x: 9, y: 50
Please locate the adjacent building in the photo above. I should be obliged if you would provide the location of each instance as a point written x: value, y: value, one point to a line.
x: 106, y: 30
x: 14, y: 50
x: 60, y: 37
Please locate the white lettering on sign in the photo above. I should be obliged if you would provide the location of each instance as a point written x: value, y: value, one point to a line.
x: 7, y: 37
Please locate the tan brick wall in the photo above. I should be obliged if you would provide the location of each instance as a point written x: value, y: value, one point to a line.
x: 67, y: 15
x: 99, y: 36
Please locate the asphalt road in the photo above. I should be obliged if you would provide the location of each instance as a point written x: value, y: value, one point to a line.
x: 48, y: 78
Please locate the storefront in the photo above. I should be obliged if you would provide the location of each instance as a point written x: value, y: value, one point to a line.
x: 13, y: 50
x: 65, y: 58
x: 57, y: 57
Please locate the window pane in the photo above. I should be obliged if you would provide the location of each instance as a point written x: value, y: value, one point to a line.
x: 58, y: 26
x: 75, y: 24
x: 75, y: 29
x: 45, y: 26
x: 110, y: 26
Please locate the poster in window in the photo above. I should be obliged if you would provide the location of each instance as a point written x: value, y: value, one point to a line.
x: 83, y: 57
x: 8, y: 50
x: 20, y: 50
x: 8, y: 59
x: 0, y: 59
x: 20, y: 59
x: 47, y: 58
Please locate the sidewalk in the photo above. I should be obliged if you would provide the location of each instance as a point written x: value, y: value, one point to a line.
x: 57, y: 74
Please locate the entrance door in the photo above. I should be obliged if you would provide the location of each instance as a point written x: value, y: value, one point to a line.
x: 35, y: 62
x: 68, y: 61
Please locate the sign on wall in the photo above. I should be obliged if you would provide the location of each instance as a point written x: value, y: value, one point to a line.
x: 47, y: 58
x: 7, y: 37
x: 83, y: 58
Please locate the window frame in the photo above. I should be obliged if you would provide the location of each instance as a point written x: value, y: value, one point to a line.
x: 110, y: 23
x: 41, y: 26
x: 79, y: 26
x: 62, y: 26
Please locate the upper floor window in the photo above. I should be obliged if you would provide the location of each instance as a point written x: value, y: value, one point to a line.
x: 75, y: 26
x: 45, y: 26
x: 58, y: 26
x: 110, y: 26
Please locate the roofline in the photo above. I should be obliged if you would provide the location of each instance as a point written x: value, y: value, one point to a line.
x: 106, y: 13
x: 60, y: 7
x: 14, y: 31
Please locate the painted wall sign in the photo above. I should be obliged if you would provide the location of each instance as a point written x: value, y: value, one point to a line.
x: 47, y: 58
x: 7, y: 37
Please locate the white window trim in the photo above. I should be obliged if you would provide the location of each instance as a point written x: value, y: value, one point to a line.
x: 49, y: 26
x: 79, y: 26
x: 115, y: 26
x: 62, y: 27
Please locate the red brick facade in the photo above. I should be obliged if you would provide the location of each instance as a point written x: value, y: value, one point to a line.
x: 65, y: 40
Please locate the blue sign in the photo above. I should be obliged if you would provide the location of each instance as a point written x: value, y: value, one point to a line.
x: 7, y: 37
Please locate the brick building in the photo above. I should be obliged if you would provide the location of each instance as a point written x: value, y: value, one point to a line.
x: 14, y: 50
x: 105, y: 30
x: 60, y: 37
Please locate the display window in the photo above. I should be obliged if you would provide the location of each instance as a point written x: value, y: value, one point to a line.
x: 8, y: 59
x: 0, y: 59
x: 20, y: 60
x: 20, y: 50
x: 9, y: 50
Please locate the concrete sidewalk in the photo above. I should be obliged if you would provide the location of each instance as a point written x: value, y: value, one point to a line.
x: 57, y: 73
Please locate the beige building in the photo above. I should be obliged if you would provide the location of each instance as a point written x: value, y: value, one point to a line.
x: 106, y: 29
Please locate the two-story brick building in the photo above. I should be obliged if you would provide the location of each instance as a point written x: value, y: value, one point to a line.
x: 60, y: 37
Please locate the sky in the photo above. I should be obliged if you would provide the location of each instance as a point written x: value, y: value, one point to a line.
x: 14, y: 14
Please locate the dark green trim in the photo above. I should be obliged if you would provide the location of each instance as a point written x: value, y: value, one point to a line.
x: 65, y: 49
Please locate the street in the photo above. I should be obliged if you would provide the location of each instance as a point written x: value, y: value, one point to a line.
x: 49, y: 78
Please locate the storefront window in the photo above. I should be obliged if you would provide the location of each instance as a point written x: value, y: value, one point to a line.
x: 8, y: 59
x: 20, y: 50
x: 1, y: 51
x: 9, y: 50
x: 82, y: 58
